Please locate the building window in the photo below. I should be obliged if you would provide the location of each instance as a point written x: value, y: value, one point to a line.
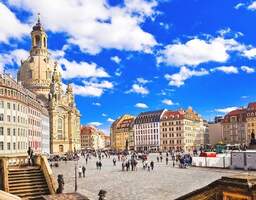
x: 1, y: 130
x: 8, y: 131
x: 1, y: 146
x: 8, y: 118
x: 8, y: 105
x: 14, y: 145
x: 8, y: 146
x: 1, y: 104
x: 14, y: 131
x: 1, y: 117
x: 60, y: 128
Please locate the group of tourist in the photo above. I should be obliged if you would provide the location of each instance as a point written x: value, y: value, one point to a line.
x: 81, y: 170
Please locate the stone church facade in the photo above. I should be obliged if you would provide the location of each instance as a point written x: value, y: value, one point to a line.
x: 40, y: 74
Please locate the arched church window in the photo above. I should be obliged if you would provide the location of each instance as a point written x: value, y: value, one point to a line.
x: 60, y: 129
x: 44, y: 42
x: 38, y: 42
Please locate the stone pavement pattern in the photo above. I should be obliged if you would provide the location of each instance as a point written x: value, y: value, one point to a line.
x: 165, y: 182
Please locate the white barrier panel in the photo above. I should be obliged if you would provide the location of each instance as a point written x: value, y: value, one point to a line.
x: 199, y: 161
x: 251, y: 160
x: 219, y: 162
x: 238, y: 161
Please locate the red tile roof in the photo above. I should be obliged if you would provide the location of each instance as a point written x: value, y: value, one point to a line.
x: 173, y: 115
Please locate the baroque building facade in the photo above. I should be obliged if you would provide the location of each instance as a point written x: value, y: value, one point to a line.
x: 121, y: 133
x: 40, y: 74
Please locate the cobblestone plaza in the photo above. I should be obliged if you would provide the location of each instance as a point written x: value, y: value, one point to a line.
x: 164, y: 182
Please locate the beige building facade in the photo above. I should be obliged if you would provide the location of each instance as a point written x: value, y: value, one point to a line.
x: 121, y: 133
x: 92, y: 138
x: 215, y: 131
x: 182, y: 130
x: 234, y: 127
x: 40, y: 74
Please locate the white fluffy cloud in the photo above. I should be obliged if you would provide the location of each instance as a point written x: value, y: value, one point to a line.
x: 250, y: 53
x: 73, y: 69
x: 247, y: 69
x: 252, y: 6
x: 142, y: 7
x: 12, y: 58
x: 95, y: 123
x: 178, y: 79
x: 142, y: 80
x: 11, y: 27
x: 239, y: 5
x: 110, y: 120
x: 226, y: 69
x: 168, y: 102
x: 115, y: 59
x: 95, y: 25
x: 96, y: 104
x: 141, y: 105
x: 197, y: 51
x: 138, y: 89
x: 226, y: 110
x: 92, y: 88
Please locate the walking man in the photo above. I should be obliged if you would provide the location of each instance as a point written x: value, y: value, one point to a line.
x: 152, y: 165
x: 30, y: 156
x: 83, y: 169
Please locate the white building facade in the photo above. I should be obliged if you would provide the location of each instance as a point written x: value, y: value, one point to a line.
x: 147, y: 131
x: 20, y: 118
x: 45, y: 125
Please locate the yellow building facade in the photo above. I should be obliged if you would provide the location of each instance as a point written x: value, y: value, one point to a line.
x: 40, y: 74
x: 121, y: 132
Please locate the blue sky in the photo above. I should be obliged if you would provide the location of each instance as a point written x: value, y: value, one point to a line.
x: 129, y: 56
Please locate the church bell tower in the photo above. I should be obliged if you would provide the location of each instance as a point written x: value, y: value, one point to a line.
x: 36, y: 71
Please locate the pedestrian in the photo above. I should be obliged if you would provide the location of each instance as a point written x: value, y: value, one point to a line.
x: 148, y: 168
x: 152, y: 165
x: 100, y: 165
x: 157, y: 158
x: 173, y: 163
x: 161, y: 158
x: 122, y: 166
x: 128, y: 165
x: 60, y: 184
x: 86, y: 160
x: 114, y: 161
x: 30, y: 156
x: 97, y: 165
x: 166, y: 159
x: 80, y: 172
x: 83, y: 169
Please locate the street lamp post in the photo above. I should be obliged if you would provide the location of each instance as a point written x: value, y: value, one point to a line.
x: 75, y: 176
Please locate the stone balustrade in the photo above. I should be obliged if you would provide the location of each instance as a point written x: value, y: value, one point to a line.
x: 8, y: 196
x: 7, y: 162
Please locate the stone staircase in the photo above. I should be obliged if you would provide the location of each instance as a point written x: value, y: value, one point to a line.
x: 28, y: 183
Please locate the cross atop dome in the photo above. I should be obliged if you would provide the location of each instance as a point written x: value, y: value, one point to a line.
x: 38, y: 26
